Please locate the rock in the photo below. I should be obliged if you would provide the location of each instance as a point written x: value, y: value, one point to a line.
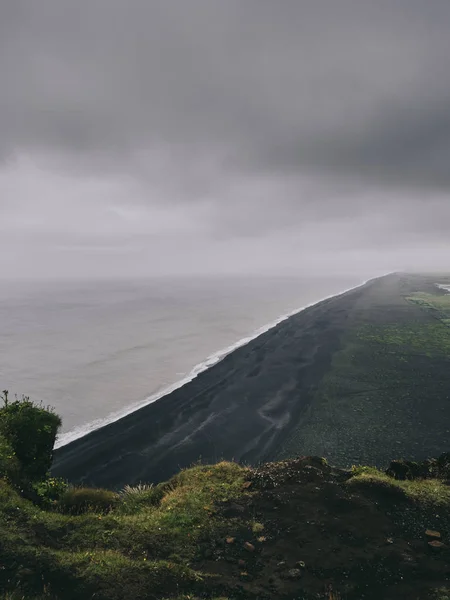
x: 300, y: 564
x: 390, y: 541
x: 435, y: 544
x: 281, y: 564
x: 241, y: 563
x: 249, y: 547
x: 312, y: 474
x: 432, y: 534
x: 444, y: 466
x: 408, y: 560
x: 247, y: 484
x: 230, y: 540
x: 426, y: 469
x: 262, y: 538
x: 294, y: 574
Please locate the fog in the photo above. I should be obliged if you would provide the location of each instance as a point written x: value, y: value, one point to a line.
x: 197, y: 137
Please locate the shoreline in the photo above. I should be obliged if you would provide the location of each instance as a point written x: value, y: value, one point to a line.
x: 81, y: 431
x: 243, y: 408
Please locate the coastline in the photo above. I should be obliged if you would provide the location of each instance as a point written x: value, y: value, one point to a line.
x: 83, y: 430
x: 241, y: 408
x: 329, y: 381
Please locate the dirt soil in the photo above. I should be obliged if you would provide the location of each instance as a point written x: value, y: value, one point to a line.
x: 316, y: 536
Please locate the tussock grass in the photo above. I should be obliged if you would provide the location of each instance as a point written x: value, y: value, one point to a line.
x: 79, y: 500
x: 137, y: 490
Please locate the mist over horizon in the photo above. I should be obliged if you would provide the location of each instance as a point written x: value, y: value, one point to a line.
x: 200, y: 138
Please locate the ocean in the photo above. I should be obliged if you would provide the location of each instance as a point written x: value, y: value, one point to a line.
x: 97, y: 350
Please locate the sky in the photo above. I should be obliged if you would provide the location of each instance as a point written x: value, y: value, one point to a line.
x: 197, y: 137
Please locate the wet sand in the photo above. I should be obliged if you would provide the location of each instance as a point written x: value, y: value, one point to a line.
x: 243, y: 408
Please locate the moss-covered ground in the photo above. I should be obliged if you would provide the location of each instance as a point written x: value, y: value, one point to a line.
x: 387, y: 392
x: 293, y: 529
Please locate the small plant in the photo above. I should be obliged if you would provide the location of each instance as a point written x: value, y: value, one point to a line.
x: 9, y: 465
x: 133, y: 498
x: 50, y: 490
x: 136, y: 490
x: 257, y: 527
x: 364, y: 470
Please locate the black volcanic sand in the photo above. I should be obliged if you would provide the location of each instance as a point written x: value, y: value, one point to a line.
x: 326, y: 381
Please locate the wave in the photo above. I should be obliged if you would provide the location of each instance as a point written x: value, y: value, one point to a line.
x: 78, y: 432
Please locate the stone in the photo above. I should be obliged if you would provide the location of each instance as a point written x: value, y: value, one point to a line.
x: 435, y: 544
x: 241, y: 562
x: 300, y: 564
x: 249, y: 547
x: 294, y: 574
x: 432, y: 534
x: 230, y: 540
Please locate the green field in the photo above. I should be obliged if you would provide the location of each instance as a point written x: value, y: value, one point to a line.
x: 387, y: 391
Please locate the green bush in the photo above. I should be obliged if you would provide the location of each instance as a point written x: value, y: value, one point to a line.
x: 50, y: 490
x: 30, y: 430
x: 76, y: 501
x: 9, y: 465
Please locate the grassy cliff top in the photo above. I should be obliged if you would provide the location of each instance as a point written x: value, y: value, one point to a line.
x: 293, y: 529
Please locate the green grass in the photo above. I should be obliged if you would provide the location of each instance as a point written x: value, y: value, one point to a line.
x: 145, y: 542
x: 437, y: 304
x: 423, y: 338
x: 390, y: 365
x: 153, y: 548
x: 79, y: 500
x: 426, y: 492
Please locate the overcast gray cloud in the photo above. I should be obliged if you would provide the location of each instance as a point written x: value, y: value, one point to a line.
x: 163, y: 136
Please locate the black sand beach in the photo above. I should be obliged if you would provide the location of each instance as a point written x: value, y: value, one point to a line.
x: 310, y: 385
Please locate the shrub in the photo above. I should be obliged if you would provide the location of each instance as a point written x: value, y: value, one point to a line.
x: 50, y: 490
x: 76, y: 501
x: 30, y: 430
x: 9, y: 465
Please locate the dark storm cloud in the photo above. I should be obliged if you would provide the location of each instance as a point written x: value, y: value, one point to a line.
x: 312, y: 118
x: 350, y: 85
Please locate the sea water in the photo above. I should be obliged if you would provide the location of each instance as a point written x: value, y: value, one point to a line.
x: 98, y: 350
